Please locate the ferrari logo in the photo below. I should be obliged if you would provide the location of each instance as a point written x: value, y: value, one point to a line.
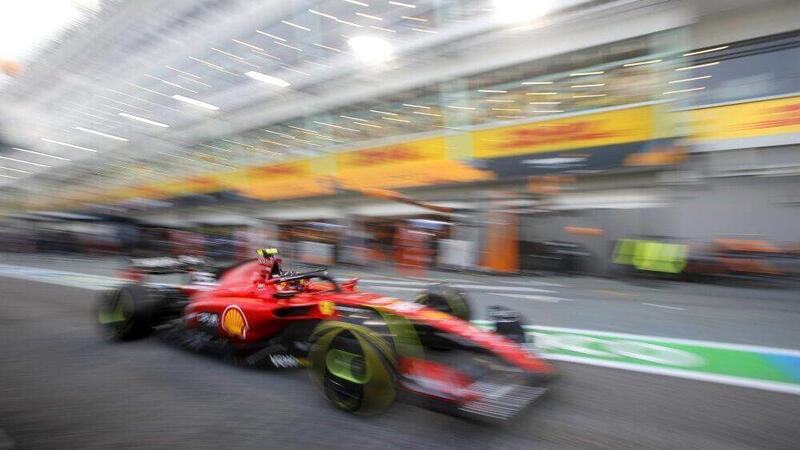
x: 234, y: 321
x: 327, y: 308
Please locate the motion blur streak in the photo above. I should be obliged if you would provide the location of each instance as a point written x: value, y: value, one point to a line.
x: 623, y: 175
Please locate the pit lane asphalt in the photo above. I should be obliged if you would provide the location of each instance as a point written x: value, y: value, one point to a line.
x: 61, y: 387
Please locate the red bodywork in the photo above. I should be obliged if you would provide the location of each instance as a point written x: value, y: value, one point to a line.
x: 248, y: 288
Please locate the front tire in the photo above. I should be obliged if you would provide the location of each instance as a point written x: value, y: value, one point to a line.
x: 353, y: 367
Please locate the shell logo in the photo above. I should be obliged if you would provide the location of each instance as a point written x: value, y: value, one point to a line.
x: 327, y: 308
x: 234, y: 322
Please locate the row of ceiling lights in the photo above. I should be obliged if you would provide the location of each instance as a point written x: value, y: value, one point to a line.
x: 371, y: 49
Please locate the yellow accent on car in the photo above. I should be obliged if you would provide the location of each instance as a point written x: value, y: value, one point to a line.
x: 327, y: 308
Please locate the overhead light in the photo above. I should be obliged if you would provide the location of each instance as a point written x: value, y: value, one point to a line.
x: 416, y: 19
x: 371, y: 49
x: 169, y: 83
x: 292, y: 24
x: 353, y: 118
x: 270, y: 141
x: 395, y: 119
x: 183, y: 72
x: 194, y: 102
x: 511, y: 11
x: 546, y: 111
x: 267, y: 79
x: 365, y: 124
x: 388, y: 30
x: 468, y: 108
x: 213, y: 66
x: 367, y: 16
x: 690, y: 79
x: 288, y: 46
x: 642, y: 63
x: 544, y: 103
x: 356, y: 2
x: 679, y: 91
x: 271, y: 35
x: 536, y: 82
x: 697, y: 66
x: 578, y: 86
x: 69, y: 145
x: 248, y: 45
x: 583, y: 74
x: 143, y: 120
x: 507, y: 109
x: 541, y: 93
x: 8, y: 176
x: 304, y: 130
x: 24, y: 162
x: 336, y: 126
x: 422, y: 113
x: 40, y: 154
x: 110, y: 136
x: 333, y: 49
x: 404, y: 5
x: 588, y: 95
x: 378, y: 111
x: 284, y: 135
x: 411, y: 105
x: 492, y: 91
x: 14, y: 170
x: 700, y: 52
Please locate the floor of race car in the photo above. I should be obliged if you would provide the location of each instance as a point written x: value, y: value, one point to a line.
x: 61, y: 387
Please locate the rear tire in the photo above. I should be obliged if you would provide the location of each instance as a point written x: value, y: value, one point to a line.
x: 446, y: 299
x: 125, y: 313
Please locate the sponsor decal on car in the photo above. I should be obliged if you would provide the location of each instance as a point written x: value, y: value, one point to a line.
x: 327, y: 308
x: 234, y: 321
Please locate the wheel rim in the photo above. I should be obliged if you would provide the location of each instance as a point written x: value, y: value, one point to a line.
x: 117, y: 313
x: 346, y: 372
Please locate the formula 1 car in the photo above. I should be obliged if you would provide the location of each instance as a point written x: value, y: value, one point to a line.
x: 364, y: 350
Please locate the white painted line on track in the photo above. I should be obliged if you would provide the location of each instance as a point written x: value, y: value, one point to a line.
x: 502, y: 288
x: 775, y: 386
x: 656, y: 305
x: 536, y: 298
x: 531, y: 282
x: 711, y: 344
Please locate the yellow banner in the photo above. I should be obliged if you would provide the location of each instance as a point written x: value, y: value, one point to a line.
x: 287, y: 180
x: 414, y: 163
x: 746, y: 120
x: 419, y: 150
x: 233, y: 180
x: 410, y: 174
x: 591, y: 130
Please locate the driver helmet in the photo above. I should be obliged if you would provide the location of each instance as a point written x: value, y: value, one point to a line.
x: 269, y: 257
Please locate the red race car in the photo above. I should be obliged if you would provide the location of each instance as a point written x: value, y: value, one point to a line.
x: 363, y: 349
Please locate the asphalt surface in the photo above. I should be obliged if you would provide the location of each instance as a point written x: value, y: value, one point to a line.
x: 62, y: 387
